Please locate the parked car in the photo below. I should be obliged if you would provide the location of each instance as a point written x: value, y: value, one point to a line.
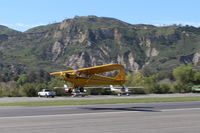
x: 46, y: 93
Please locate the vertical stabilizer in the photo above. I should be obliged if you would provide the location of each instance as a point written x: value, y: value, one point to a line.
x: 112, y: 88
x: 120, y: 75
x: 66, y: 87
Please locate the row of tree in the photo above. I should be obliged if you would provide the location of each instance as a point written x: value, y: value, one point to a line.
x: 183, y: 77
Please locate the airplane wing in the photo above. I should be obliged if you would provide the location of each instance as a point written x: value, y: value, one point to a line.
x: 92, y: 70
x: 130, y: 87
x: 62, y: 73
x: 134, y: 87
x: 101, y: 69
x: 96, y: 87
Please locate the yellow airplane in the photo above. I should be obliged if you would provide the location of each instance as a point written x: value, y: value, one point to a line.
x: 91, y: 76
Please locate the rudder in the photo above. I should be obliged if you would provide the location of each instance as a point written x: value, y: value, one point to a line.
x: 120, y: 75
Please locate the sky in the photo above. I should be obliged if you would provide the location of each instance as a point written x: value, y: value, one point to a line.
x: 25, y: 14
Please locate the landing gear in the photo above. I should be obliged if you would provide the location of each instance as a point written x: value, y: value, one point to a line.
x: 79, y: 91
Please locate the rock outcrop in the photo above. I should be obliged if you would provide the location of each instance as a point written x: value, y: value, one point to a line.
x: 90, y: 41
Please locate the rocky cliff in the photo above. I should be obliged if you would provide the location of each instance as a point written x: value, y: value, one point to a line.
x: 90, y: 41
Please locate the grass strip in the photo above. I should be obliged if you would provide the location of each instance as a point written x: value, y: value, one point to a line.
x: 101, y: 101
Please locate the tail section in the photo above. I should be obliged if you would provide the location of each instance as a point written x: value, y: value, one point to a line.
x: 66, y: 88
x: 112, y: 88
x: 120, y: 75
x: 126, y: 90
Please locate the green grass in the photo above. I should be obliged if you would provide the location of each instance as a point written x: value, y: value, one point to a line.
x: 102, y: 101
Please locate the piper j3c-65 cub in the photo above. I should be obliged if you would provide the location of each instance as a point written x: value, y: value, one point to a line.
x: 91, y: 77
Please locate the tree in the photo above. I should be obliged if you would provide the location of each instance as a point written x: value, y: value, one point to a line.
x: 31, y: 77
x: 29, y: 89
x: 134, y: 79
x: 161, y: 88
x: 185, y: 74
x: 197, y: 78
x: 150, y: 82
x: 56, y: 82
x: 43, y: 76
x: 21, y: 80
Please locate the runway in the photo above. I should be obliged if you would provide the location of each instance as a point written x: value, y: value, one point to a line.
x: 169, y: 117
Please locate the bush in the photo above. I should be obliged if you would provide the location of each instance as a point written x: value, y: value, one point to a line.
x: 98, y: 91
x: 29, y: 90
x: 181, y: 88
x: 161, y: 88
x: 60, y: 92
x: 11, y: 92
x: 139, y: 91
x: 185, y: 74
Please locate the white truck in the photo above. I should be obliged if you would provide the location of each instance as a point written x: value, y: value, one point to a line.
x: 46, y: 93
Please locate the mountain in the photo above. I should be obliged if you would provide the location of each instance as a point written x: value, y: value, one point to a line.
x: 89, y: 41
x: 7, y: 31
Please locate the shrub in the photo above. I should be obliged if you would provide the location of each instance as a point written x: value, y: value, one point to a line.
x: 60, y: 92
x: 161, y: 88
x: 98, y: 91
x: 11, y: 92
x: 139, y: 91
x: 29, y: 90
x: 181, y: 88
x: 185, y: 74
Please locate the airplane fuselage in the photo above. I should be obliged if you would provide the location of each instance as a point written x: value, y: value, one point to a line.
x: 84, y: 80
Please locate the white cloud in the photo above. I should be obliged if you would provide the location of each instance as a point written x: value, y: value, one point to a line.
x: 21, y: 26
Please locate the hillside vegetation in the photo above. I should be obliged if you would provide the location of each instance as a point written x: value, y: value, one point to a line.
x: 89, y: 41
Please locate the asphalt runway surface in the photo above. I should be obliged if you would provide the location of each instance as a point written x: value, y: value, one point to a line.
x: 166, y: 117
